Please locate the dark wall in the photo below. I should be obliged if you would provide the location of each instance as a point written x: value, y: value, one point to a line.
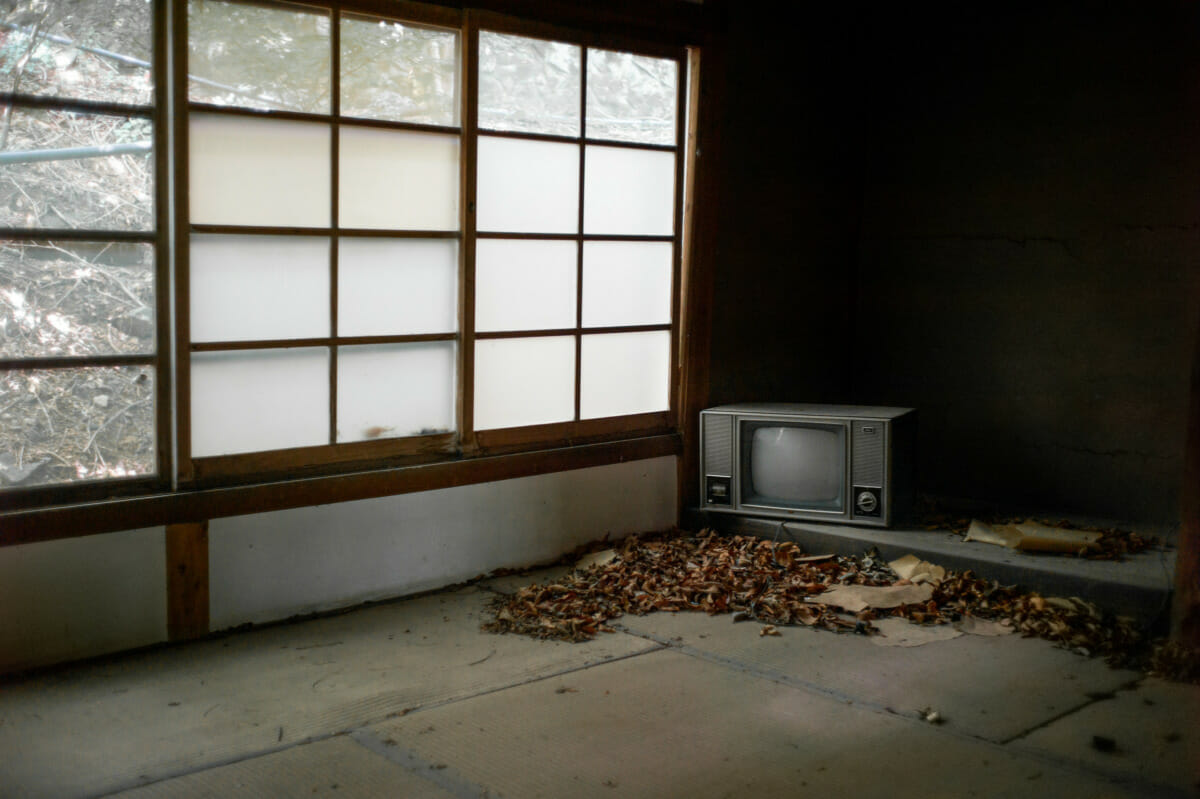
x: 787, y: 212
x: 1030, y: 249
x: 992, y: 217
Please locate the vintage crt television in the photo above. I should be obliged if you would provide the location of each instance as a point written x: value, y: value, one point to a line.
x: 831, y: 463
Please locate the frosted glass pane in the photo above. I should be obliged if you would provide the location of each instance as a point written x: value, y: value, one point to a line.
x: 626, y: 283
x: 628, y: 192
x: 527, y: 186
x: 397, y: 179
x: 528, y: 85
x: 258, y: 172
x: 395, y: 390
x: 399, y: 72
x: 254, y: 57
x: 631, y: 97
x: 625, y: 373
x: 259, y: 400
x: 235, y: 287
x: 524, y: 285
x: 524, y: 381
x: 397, y: 286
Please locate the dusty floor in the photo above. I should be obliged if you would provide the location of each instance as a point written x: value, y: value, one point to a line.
x: 410, y: 699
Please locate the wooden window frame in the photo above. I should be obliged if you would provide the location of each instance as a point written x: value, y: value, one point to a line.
x: 464, y: 441
x: 258, y: 482
x: 157, y: 237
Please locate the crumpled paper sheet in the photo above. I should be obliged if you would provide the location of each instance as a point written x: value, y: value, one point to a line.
x: 1031, y: 536
x: 913, y: 569
x: 854, y: 598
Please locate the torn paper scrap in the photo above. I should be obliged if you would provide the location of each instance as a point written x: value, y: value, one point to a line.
x: 1031, y: 536
x: 1041, y: 538
x: 860, y: 597
x: 974, y: 626
x: 1005, y: 536
x: 902, y: 632
x: 595, y: 559
x: 915, y: 570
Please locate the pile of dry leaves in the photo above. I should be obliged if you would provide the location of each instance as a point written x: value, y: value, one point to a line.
x: 777, y: 584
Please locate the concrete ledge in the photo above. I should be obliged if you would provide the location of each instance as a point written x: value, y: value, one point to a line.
x: 1139, y: 586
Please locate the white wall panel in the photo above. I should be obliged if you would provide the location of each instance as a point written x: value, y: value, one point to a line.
x: 275, y: 565
x: 79, y: 597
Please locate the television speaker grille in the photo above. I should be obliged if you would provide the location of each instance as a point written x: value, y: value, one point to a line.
x: 718, y: 445
x: 868, y: 454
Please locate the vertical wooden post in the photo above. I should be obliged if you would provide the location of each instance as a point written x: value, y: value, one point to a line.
x: 707, y: 86
x: 187, y: 581
x: 1185, y: 610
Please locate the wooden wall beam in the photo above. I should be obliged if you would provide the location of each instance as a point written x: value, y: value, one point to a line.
x: 187, y: 581
x: 1185, y: 610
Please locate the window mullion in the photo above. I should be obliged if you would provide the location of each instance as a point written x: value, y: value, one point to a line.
x: 468, y: 169
x: 335, y: 59
x: 583, y: 55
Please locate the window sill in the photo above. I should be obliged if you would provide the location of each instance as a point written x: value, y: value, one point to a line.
x: 71, y: 521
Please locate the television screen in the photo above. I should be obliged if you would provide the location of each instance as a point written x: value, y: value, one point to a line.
x: 797, y: 465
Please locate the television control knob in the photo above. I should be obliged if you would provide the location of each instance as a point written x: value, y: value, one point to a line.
x: 867, y: 502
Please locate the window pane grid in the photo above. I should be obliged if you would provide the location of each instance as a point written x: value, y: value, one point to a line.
x: 599, y: 297
x: 82, y: 253
x: 354, y: 224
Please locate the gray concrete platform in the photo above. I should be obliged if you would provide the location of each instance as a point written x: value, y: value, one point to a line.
x: 410, y: 698
x: 1139, y: 586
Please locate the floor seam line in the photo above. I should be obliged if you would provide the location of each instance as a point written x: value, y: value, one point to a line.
x: 1001, y: 746
x: 1089, y: 701
x: 442, y: 775
x: 369, y: 723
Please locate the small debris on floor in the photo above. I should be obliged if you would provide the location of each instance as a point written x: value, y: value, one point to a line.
x: 776, y: 584
x: 769, y: 629
x: 932, y: 716
x: 1104, y: 744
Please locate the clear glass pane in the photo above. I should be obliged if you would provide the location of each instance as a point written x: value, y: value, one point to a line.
x: 628, y: 192
x: 524, y: 285
x: 65, y: 425
x: 258, y: 172
x: 390, y: 179
x: 631, y: 97
x: 625, y: 373
x: 397, y: 286
x: 528, y: 85
x: 395, y: 390
x: 252, y: 56
x: 235, y: 284
x: 523, y: 381
x: 79, y: 171
x: 257, y: 400
x: 626, y: 283
x: 399, y: 72
x: 527, y: 186
x: 99, y: 50
x: 76, y: 298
